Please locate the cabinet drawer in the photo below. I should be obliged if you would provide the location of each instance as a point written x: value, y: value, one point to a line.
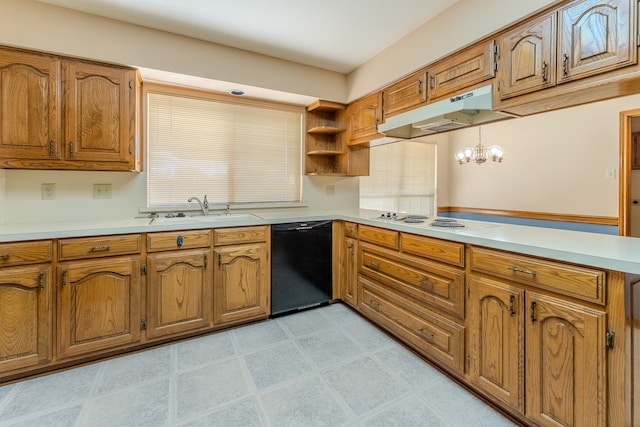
x: 432, y: 335
x: 426, y: 282
x: 25, y: 253
x: 351, y: 229
x: 230, y: 236
x: 379, y: 236
x: 170, y: 240
x: 579, y: 282
x: 94, y: 247
x: 440, y: 250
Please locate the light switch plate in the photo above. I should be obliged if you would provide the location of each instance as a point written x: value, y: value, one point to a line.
x: 101, y: 191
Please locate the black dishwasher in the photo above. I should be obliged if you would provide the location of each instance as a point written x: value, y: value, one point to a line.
x: 300, y: 265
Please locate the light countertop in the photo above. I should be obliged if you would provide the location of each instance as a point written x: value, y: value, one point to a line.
x: 592, y: 249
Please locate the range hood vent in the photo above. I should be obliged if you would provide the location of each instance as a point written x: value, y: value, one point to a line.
x: 468, y: 109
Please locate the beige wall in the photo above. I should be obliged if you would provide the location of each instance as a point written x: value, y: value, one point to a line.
x: 555, y: 162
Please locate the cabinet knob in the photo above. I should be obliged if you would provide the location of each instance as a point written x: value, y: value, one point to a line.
x: 179, y: 241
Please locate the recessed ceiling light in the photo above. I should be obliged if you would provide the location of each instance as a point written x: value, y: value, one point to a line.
x: 236, y: 92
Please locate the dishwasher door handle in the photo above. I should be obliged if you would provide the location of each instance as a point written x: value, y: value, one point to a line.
x: 311, y: 227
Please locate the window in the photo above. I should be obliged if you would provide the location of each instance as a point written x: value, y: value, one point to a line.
x: 402, y: 178
x: 232, y: 150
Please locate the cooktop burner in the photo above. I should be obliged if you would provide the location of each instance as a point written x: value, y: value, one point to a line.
x: 413, y: 220
x: 446, y: 222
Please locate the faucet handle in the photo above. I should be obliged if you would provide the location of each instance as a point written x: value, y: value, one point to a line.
x: 205, y: 202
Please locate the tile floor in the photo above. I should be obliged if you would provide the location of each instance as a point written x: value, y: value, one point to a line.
x: 323, y: 367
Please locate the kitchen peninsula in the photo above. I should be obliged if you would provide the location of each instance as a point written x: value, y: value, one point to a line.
x: 413, y: 280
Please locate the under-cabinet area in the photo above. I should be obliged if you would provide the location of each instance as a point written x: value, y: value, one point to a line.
x: 547, y: 342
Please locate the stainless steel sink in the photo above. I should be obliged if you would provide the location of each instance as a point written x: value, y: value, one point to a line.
x: 164, y: 220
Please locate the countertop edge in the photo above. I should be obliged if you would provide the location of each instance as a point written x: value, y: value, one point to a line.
x: 591, y: 249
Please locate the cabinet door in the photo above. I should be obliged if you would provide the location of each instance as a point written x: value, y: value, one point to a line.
x: 241, y: 275
x: 100, y: 113
x: 364, y: 116
x: 29, y: 106
x: 565, y: 363
x: 468, y: 67
x: 179, y: 292
x: 496, y: 339
x: 595, y: 36
x: 528, y: 57
x: 348, y: 290
x: 405, y: 94
x: 98, y: 304
x: 25, y: 317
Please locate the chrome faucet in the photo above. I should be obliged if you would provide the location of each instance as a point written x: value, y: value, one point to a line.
x: 228, y: 209
x: 203, y: 205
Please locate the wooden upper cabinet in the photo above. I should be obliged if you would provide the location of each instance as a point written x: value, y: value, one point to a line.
x: 364, y: 116
x: 100, y: 109
x: 461, y: 70
x: 405, y: 94
x: 595, y: 36
x: 528, y: 57
x: 29, y: 106
x: 62, y: 113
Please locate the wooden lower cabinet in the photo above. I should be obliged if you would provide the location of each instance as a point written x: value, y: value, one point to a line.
x: 496, y: 339
x: 26, y: 316
x: 242, y: 274
x: 540, y: 354
x: 179, y: 292
x: 98, y: 304
x: 434, y: 336
x: 349, y: 271
x: 566, y: 362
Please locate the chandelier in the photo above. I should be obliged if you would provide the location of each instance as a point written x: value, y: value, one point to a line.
x: 479, y: 154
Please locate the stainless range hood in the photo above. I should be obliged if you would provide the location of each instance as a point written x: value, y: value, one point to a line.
x: 467, y: 109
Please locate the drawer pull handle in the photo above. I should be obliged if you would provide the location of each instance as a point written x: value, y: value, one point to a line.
x: 373, y: 265
x: 41, y: 281
x: 532, y: 312
x: 565, y: 64
x: 101, y: 248
x: 428, y: 335
x: 544, y: 72
x: 374, y: 304
x: 351, y: 249
x: 522, y: 270
x: 5, y: 257
x: 511, y: 308
x: 64, y: 278
x: 426, y: 282
x: 179, y: 241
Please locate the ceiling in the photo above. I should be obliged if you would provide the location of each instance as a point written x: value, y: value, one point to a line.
x: 337, y: 35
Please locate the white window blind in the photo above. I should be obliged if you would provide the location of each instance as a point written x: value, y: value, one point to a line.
x: 230, y: 151
x: 402, y: 178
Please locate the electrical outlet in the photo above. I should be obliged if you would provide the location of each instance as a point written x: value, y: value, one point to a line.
x: 610, y: 173
x: 101, y: 191
x: 330, y: 189
x: 48, y: 191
